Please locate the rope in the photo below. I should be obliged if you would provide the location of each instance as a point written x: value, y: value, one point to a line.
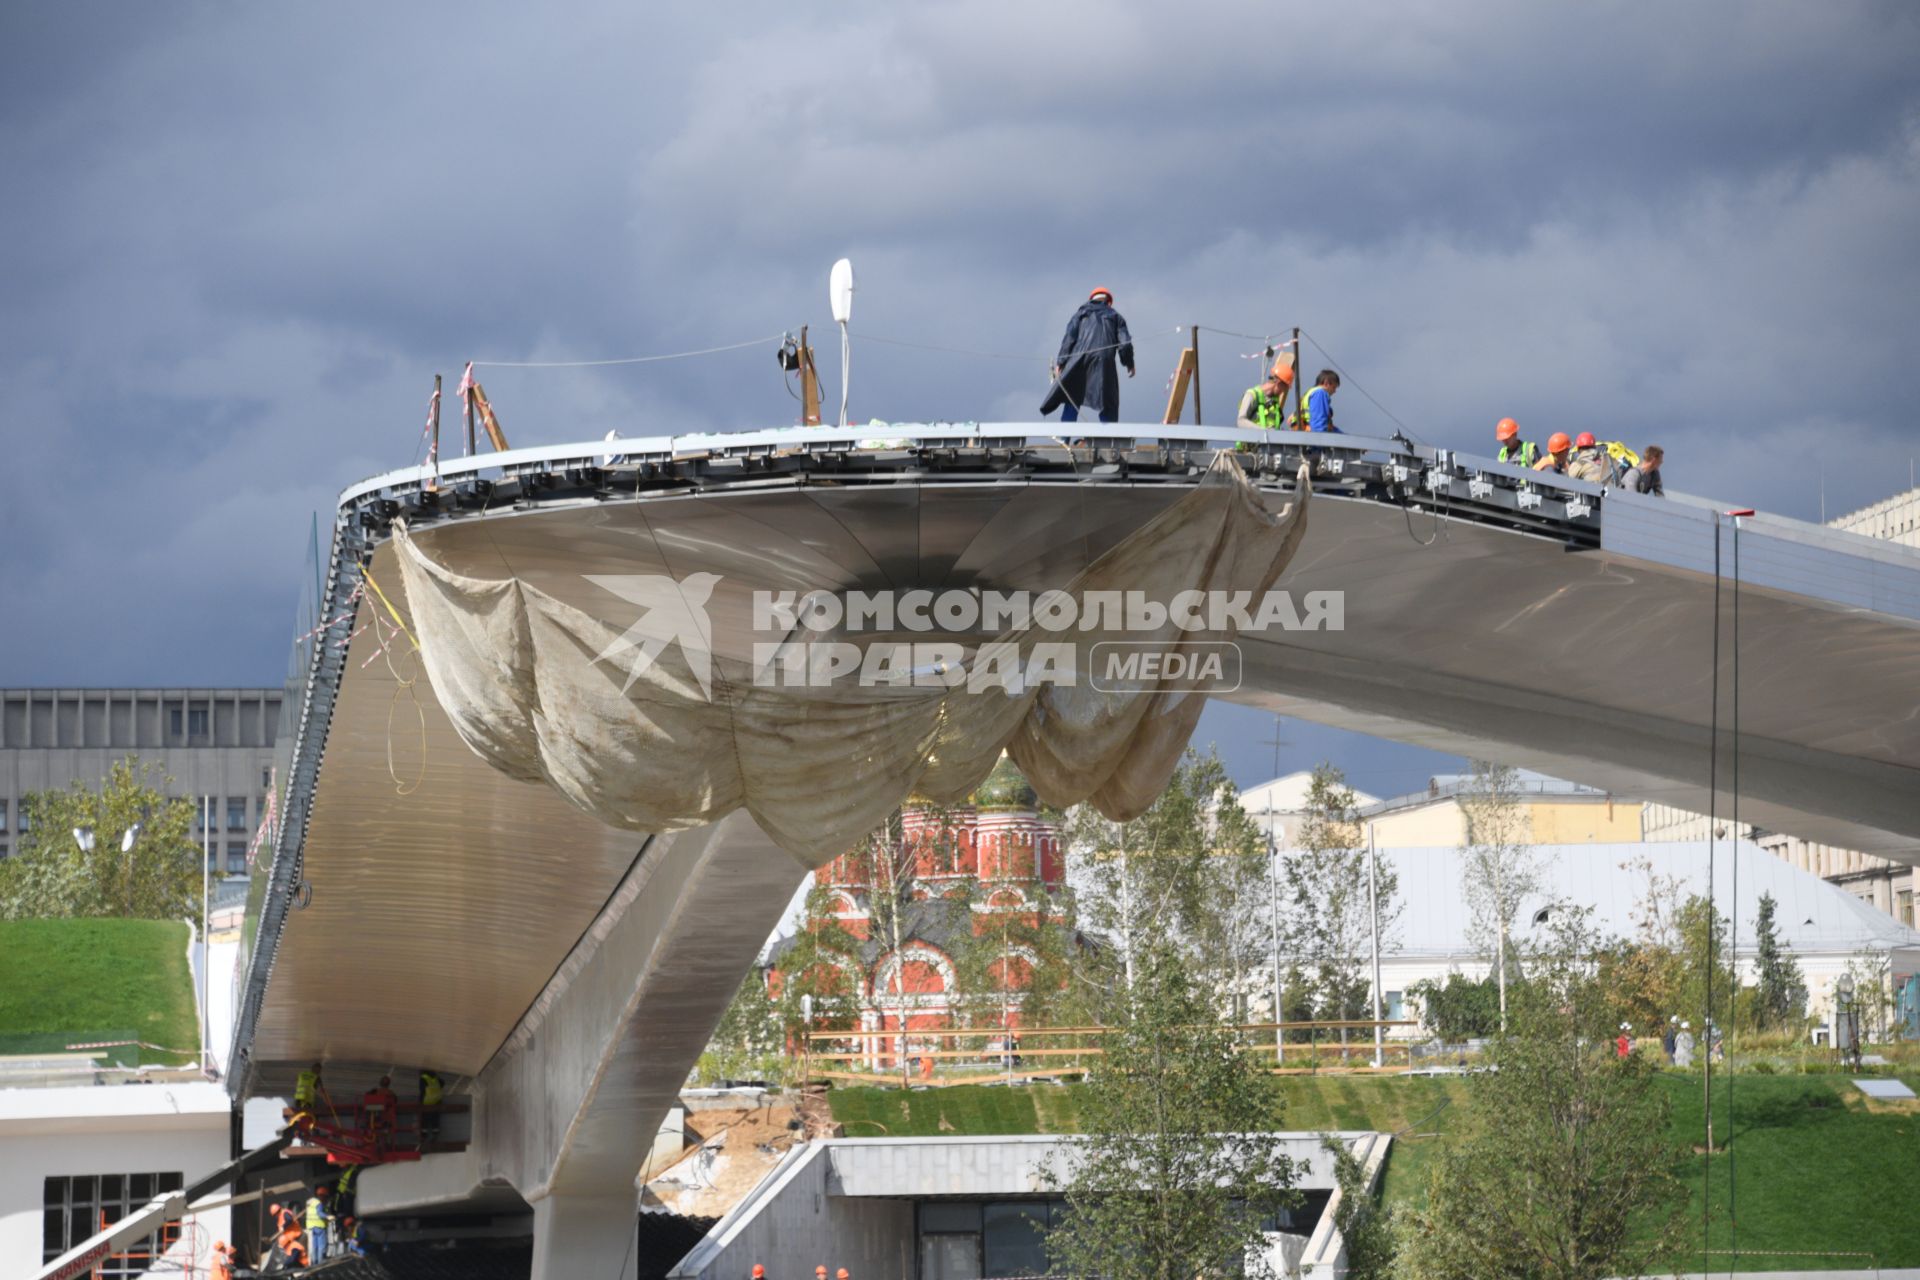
x: 595, y: 364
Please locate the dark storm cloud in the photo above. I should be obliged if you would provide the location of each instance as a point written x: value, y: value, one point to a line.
x: 237, y: 242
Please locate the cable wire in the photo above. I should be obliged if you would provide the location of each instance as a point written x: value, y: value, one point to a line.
x: 1713, y: 816
x: 594, y: 364
x: 1346, y: 377
x: 1733, y: 946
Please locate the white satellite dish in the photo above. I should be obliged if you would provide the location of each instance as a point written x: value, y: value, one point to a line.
x: 840, y: 293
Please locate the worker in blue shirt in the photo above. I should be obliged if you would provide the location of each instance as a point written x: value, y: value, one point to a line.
x: 1317, y: 413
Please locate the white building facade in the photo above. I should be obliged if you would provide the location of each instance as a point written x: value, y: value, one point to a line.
x: 73, y: 1157
x: 1827, y: 930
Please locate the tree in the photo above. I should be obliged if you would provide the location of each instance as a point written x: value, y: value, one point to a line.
x: 1012, y: 958
x: 1331, y: 909
x: 748, y: 1039
x: 890, y: 866
x: 157, y: 876
x: 1189, y: 872
x: 821, y: 967
x: 1564, y: 1168
x: 1497, y: 863
x: 1461, y: 1008
x: 1781, y: 999
x: 1366, y: 1228
x: 1177, y: 1170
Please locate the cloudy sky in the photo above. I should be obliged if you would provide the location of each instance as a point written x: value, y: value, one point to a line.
x: 236, y: 243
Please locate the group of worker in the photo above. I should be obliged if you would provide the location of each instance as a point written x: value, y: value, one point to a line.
x: 322, y: 1228
x: 1582, y: 457
x: 819, y: 1273
x: 379, y: 1106
x: 1086, y: 379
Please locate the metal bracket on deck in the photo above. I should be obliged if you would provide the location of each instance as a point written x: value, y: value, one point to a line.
x: 1479, y: 488
x: 1528, y: 498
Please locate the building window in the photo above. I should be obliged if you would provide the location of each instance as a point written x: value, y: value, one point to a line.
x: 3, y: 851
x: 174, y: 729
x: 196, y: 722
x: 3, y: 815
x: 1395, y: 1006
x: 76, y: 1208
x: 236, y: 813
x: 1903, y: 907
x: 21, y: 823
x: 236, y: 859
x: 266, y: 777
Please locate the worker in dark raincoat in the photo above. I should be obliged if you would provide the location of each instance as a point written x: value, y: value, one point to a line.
x: 1086, y: 376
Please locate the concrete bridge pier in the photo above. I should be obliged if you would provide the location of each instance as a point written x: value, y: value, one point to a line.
x: 567, y: 1110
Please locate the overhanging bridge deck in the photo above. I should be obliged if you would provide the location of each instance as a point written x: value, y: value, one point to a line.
x: 420, y: 905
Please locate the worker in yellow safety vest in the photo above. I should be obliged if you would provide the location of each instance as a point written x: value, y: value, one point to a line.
x: 1265, y: 407
x: 307, y: 1088
x: 317, y: 1219
x: 1521, y: 453
x: 432, y: 1092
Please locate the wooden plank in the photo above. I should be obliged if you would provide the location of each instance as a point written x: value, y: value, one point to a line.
x: 1183, y: 374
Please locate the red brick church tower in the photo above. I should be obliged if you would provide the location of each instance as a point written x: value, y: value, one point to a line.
x: 999, y: 851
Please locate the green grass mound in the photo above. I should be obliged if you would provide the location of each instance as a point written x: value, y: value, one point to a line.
x: 67, y: 982
x: 1823, y: 1175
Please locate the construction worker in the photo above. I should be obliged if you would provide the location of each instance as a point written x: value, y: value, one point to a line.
x: 343, y: 1190
x: 759, y: 1272
x: 819, y: 1273
x: 1085, y: 373
x: 841, y: 1274
x: 287, y: 1240
x: 1264, y: 407
x: 1316, y: 409
x: 432, y: 1092
x: 377, y: 1109
x: 317, y: 1221
x: 307, y: 1089
x: 222, y: 1264
x: 1589, y: 461
x: 350, y: 1241
x: 1521, y: 453
x: 1559, y: 445
x: 1644, y: 476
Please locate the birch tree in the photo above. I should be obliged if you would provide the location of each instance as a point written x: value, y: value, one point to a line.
x: 1498, y: 864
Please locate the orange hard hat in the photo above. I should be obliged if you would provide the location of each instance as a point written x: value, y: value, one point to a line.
x: 1506, y: 430
x: 1283, y: 370
x: 1097, y: 292
x: 841, y: 1274
x: 1558, y: 442
x: 819, y: 1271
x: 1584, y: 440
x: 758, y: 1271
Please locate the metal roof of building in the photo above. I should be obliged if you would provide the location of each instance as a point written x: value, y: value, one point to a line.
x: 1813, y: 916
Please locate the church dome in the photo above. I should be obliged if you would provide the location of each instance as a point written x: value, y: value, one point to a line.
x: 1006, y: 788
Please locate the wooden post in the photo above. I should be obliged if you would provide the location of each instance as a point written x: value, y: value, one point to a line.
x: 809, y: 384
x: 1195, y: 348
x: 467, y: 395
x: 433, y: 448
x: 1299, y: 381
x: 496, y: 435
x: 1183, y: 373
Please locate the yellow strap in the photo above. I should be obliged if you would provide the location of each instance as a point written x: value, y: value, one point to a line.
x: 391, y: 611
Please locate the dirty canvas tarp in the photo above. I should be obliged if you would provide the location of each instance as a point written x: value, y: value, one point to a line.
x: 520, y: 675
